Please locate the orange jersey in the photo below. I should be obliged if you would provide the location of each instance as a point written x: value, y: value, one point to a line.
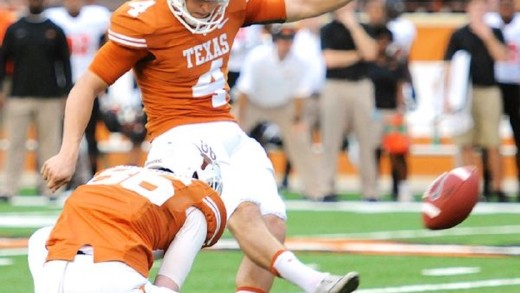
x: 126, y: 212
x: 182, y: 76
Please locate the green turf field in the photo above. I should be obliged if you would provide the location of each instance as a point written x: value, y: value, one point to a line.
x: 384, y: 242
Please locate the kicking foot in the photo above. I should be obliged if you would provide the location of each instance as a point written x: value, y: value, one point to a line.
x: 339, y: 284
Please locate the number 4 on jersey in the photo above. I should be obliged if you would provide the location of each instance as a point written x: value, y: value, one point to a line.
x: 212, y: 83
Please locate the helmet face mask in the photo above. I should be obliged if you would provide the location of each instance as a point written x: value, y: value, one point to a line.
x: 186, y: 161
x: 198, y: 25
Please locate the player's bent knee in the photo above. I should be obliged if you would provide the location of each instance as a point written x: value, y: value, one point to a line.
x: 39, y: 237
x: 247, y: 213
x: 37, y: 254
x: 36, y: 246
x: 276, y: 226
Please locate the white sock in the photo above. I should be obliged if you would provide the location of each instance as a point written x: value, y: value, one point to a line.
x: 293, y: 270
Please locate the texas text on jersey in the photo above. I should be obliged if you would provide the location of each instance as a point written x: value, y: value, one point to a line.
x: 182, y: 75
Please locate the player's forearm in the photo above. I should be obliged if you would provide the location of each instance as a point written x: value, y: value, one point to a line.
x: 77, y: 114
x: 300, y: 9
x: 182, y: 251
x: 78, y: 111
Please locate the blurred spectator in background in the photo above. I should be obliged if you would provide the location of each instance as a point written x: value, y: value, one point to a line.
x: 388, y: 74
x: 507, y: 73
x: 485, y: 46
x: 307, y: 46
x: 7, y: 17
x: 85, y: 27
x: 246, y: 39
x: 122, y: 112
x: 274, y: 85
x: 41, y: 78
x: 403, y: 29
x: 404, y: 34
x: 347, y: 100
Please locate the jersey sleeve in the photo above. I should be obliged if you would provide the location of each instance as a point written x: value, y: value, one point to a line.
x: 113, y: 60
x: 265, y: 11
x: 214, y: 210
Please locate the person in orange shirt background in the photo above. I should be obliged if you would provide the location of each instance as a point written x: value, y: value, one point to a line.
x: 106, y: 235
x: 181, y: 66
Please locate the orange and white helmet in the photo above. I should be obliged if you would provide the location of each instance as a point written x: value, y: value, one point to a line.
x: 199, y: 25
x: 187, y: 161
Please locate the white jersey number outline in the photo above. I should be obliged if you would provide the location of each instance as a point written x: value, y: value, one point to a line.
x: 155, y: 188
x: 212, y: 83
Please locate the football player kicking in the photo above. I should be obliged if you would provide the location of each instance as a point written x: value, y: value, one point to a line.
x: 109, y: 228
x: 179, y: 50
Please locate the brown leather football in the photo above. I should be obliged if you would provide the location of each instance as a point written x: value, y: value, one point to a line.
x: 450, y: 198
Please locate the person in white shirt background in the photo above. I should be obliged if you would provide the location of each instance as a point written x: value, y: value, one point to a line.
x: 274, y: 85
x: 246, y: 39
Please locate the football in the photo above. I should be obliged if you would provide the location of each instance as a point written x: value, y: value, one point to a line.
x: 450, y: 198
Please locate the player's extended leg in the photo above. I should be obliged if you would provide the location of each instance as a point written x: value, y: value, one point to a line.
x: 251, y: 274
x: 263, y: 248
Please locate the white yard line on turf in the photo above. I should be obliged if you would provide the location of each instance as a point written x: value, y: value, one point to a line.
x: 391, y: 207
x: 28, y: 220
x: 342, y: 206
x: 445, y: 286
x: 450, y: 271
x: 423, y: 233
x: 346, y: 246
x: 5, y: 262
x: 12, y: 252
